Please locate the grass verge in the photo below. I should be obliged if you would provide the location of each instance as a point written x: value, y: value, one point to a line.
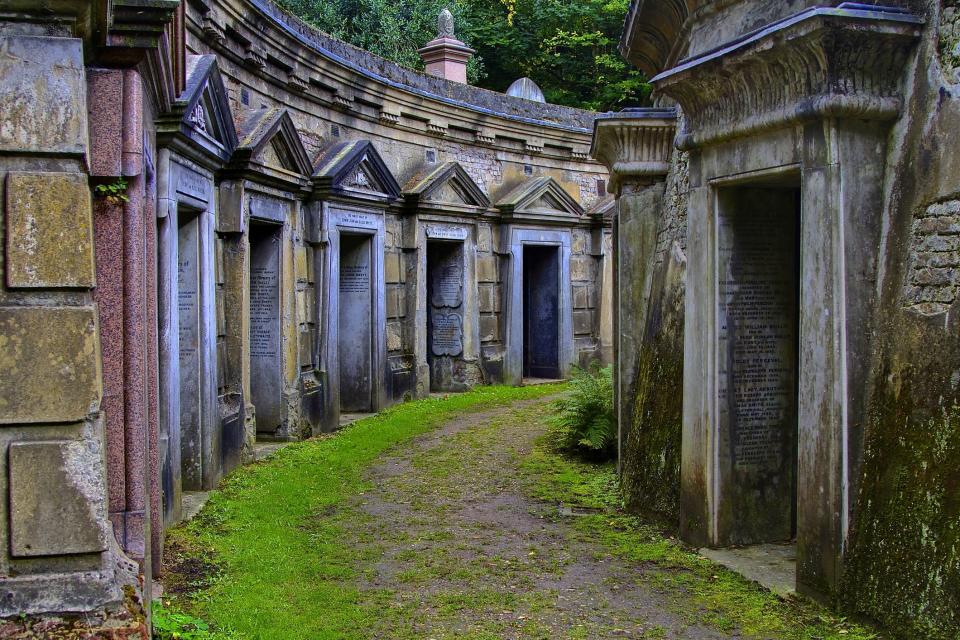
x: 258, y: 562
x: 702, y: 592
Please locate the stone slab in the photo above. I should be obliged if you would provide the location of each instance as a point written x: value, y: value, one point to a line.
x: 266, y: 364
x: 52, y: 488
x: 52, y: 354
x: 50, y: 237
x: 44, y: 89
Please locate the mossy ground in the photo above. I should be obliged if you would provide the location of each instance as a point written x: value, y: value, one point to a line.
x: 375, y: 533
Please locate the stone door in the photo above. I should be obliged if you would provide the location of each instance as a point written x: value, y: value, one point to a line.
x: 758, y: 336
x: 445, y: 315
x: 266, y: 367
x: 355, y: 334
x: 189, y: 330
x: 541, y: 311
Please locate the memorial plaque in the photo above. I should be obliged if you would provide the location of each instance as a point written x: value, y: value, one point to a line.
x: 267, y: 208
x: 448, y: 284
x: 357, y: 219
x: 757, y: 332
x: 265, y: 360
x: 355, y: 332
x: 447, y: 333
x: 193, y: 184
x: 445, y: 232
x: 188, y: 311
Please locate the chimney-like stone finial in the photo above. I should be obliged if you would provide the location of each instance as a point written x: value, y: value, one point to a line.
x: 446, y: 57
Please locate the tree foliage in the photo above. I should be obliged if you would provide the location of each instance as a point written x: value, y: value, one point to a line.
x: 568, y: 47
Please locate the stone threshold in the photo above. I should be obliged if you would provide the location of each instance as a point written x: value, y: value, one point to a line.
x: 772, y: 566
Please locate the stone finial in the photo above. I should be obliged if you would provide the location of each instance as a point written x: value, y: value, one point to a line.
x: 445, y: 56
x: 445, y: 25
x: 635, y: 145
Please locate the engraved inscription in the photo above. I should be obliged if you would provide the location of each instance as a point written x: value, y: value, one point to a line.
x: 355, y: 219
x: 447, y: 334
x: 354, y: 278
x: 448, y: 285
x: 444, y: 232
x: 191, y: 183
x: 264, y: 286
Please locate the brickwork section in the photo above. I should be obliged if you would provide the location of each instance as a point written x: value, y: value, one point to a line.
x: 934, y: 275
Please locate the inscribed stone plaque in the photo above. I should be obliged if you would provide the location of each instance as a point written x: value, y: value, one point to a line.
x: 265, y: 360
x: 447, y: 289
x: 52, y: 355
x: 188, y: 308
x: 447, y: 333
x: 191, y: 183
x: 445, y: 232
x: 49, y: 231
x: 50, y: 511
x: 266, y: 208
x: 757, y: 333
x: 357, y: 219
x: 355, y: 328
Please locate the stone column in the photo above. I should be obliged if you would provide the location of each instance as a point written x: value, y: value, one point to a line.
x: 635, y: 145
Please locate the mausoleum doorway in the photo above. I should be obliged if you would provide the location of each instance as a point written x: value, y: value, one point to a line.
x: 266, y: 363
x: 758, y: 331
x: 355, y: 322
x: 445, y: 314
x: 541, y: 311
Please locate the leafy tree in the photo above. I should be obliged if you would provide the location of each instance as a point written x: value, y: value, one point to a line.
x: 568, y: 47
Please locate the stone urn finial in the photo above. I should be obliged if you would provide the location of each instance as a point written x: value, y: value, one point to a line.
x: 445, y: 25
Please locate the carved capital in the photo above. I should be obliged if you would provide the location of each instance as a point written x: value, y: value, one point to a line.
x: 635, y: 145
x: 822, y: 63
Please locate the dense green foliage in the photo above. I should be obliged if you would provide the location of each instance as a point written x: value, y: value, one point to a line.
x: 568, y: 47
x: 585, y: 417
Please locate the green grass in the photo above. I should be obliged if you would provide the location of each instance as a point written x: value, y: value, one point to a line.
x: 703, y: 592
x: 269, y: 545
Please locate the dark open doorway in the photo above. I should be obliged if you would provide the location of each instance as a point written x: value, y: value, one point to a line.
x: 445, y: 315
x: 541, y: 311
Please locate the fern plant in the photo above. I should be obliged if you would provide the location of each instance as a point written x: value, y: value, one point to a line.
x: 585, y: 419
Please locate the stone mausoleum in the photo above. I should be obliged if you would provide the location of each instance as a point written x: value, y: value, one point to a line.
x: 787, y: 252
x: 222, y: 227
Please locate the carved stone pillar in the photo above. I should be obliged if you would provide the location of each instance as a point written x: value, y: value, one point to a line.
x: 635, y: 145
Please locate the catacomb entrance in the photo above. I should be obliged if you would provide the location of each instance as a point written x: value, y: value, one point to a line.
x: 445, y: 314
x: 757, y: 361
x: 355, y: 334
x: 266, y: 370
x: 541, y: 311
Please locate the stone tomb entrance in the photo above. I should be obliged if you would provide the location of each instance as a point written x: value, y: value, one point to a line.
x: 541, y: 312
x: 355, y: 339
x: 757, y: 361
x: 266, y: 370
x: 445, y: 314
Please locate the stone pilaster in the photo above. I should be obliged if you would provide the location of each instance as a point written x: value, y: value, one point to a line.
x: 635, y: 145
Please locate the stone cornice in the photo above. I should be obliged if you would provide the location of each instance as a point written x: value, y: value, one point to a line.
x: 846, y: 62
x: 635, y: 145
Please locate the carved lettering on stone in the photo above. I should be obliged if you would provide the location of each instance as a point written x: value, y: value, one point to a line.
x: 448, y: 285
x: 447, y: 334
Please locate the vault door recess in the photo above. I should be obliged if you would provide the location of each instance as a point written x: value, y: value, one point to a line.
x: 191, y: 372
x: 758, y: 337
x: 355, y: 331
x: 445, y: 315
x: 541, y: 311
x: 266, y: 368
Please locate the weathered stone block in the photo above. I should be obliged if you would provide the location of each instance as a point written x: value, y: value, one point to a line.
x: 396, y: 302
x: 393, y: 273
x: 580, y: 242
x: 487, y: 269
x: 484, y: 240
x: 52, y: 486
x: 49, y: 231
x: 106, y: 122
x: 50, y: 364
x: 489, y: 328
x: 580, y: 268
x: 394, y: 336
x: 582, y: 322
x: 489, y: 298
x: 44, y: 89
x: 301, y: 270
x: 581, y: 297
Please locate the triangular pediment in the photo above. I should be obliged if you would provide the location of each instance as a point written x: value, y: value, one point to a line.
x: 357, y: 169
x: 269, y: 138
x: 542, y: 196
x: 207, y: 118
x: 449, y: 183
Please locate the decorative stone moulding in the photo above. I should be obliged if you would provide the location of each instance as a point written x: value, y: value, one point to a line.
x: 342, y: 102
x: 843, y: 62
x: 296, y: 83
x: 437, y: 128
x: 484, y: 138
x: 213, y: 32
x: 533, y: 146
x: 635, y: 145
x: 390, y: 119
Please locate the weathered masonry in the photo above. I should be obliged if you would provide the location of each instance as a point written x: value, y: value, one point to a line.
x: 221, y: 227
x: 797, y: 246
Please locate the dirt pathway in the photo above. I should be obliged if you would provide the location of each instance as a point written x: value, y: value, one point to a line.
x: 453, y: 547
